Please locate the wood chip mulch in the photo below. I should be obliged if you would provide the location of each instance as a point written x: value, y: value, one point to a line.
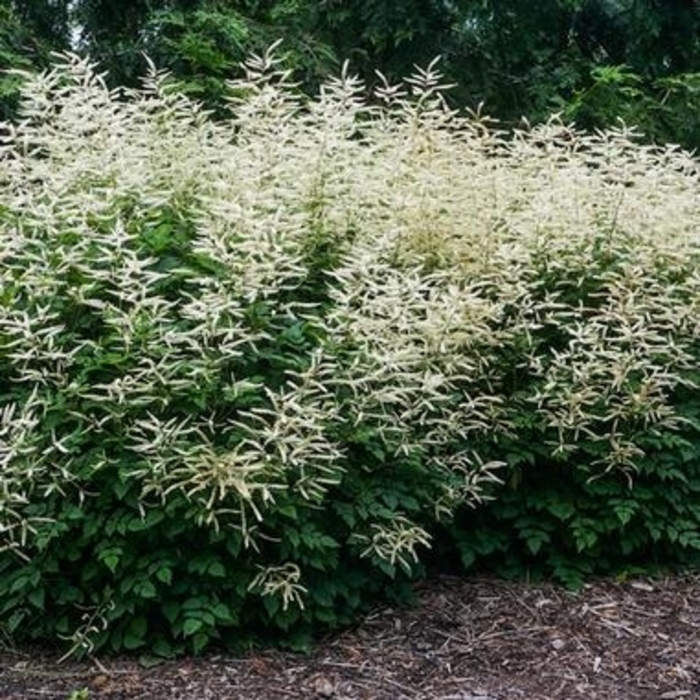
x: 467, y: 639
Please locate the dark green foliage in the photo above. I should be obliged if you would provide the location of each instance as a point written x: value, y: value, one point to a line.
x: 593, y: 60
x: 202, y: 43
x: 107, y: 576
x: 665, y: 109
x: 561, y: 513
x: 569, y: 521
x: 391, y: 36
x: 110, y: 570
x: 29, y: 31
x: 513, y: 56
x: 654, y: 38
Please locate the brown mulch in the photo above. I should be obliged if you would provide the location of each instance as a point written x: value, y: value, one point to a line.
x: 466, y: 640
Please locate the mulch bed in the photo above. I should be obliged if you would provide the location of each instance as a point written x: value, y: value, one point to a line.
x: 467, y: 639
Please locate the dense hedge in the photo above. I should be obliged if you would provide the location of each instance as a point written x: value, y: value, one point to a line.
x: 249, y: 369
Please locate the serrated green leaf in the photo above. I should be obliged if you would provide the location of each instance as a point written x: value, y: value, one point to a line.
x: 534, y: 539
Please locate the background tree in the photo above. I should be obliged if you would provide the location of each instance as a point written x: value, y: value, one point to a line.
x: 202, y: 42
x: 514, y: 55
x: 391, y: 36
x: 642, y: 62
x: 29, y: 31
x: 592, y: 60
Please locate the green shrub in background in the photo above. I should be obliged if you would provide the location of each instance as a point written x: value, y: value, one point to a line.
x: 249, y: 367
x: 664, y: 109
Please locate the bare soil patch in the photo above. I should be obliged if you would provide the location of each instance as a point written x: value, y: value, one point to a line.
x: 467, y: 639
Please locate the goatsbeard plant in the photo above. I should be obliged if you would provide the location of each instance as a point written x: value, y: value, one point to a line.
x: 247, y: 365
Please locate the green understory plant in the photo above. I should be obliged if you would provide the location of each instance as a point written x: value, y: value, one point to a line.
x: 249, y: 368
x: 664, y: 109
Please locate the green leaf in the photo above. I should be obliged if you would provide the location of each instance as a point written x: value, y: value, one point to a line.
x: 534, y: 539
x: 146, y: 590
x: 216, y: 569
x: 222, y: 612
x: 171, y: 610
x: 195, y: 603
x: 289, y: 510
x: 165, y: 575
x: 562, y: 510
x: 37, y: 597
x: 163, y: 649
x: 272, y: 605
x: 624, y: 510
x: 20, y: 583
x: 293, y: 537
x: 199, y: 642
x: 134, y: 635
x: 192, y: 626
x: 111, y: 561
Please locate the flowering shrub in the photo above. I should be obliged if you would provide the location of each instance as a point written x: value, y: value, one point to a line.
x: 247, y: 366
